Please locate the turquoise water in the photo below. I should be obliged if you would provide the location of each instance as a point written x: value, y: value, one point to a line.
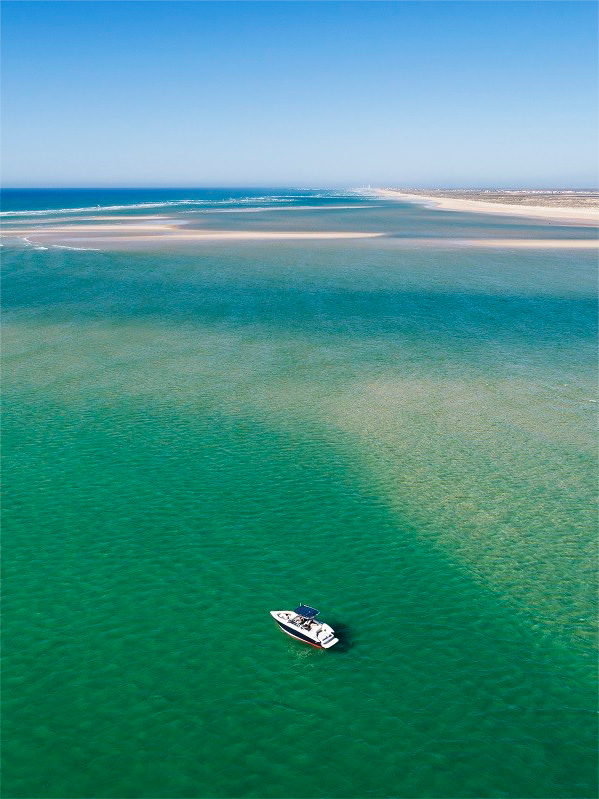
x: 402, y: 437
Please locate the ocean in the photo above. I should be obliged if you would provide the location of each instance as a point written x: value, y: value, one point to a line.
x: 402, y: 436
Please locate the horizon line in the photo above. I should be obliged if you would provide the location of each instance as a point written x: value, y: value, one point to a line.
x: 437, y: 187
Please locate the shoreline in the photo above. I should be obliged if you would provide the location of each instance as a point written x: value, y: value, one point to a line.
x: 560, y: 214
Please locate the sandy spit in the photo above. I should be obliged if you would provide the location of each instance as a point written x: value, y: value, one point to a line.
x: 557, y: 214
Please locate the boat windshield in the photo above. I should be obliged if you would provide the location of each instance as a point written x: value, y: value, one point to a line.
x: 307, y: 612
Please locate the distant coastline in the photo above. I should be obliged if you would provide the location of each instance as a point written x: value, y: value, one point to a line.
x: 118, y: 219
x: 581, y: 208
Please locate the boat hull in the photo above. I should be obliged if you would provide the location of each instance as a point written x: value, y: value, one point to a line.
x: 283, y: 621
x: 298, y: 635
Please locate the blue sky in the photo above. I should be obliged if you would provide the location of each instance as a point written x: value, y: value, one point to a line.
x: 170, y: 93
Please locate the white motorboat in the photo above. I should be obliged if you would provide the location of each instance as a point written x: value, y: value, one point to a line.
x: 301, y: 624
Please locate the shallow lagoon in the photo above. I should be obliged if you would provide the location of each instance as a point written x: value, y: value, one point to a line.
x: 402, y: 437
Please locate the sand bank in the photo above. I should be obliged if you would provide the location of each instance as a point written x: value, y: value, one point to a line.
x: 112, y: 240
x: 165, y: 234
x: 550, y: 213
x: 530, y: 244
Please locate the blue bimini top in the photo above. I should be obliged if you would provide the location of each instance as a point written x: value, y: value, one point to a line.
x: 307, y: 612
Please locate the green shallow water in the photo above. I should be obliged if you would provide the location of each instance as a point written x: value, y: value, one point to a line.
x: 403, y: 438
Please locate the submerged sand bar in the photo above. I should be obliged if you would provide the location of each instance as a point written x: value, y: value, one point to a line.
x: 580, y: 208
x: 545, y: 244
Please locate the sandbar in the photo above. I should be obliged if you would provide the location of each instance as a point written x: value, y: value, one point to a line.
x: 163, y: 233
x: 546, y: 244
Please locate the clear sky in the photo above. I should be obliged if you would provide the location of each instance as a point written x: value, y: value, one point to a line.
x: 170, y: 93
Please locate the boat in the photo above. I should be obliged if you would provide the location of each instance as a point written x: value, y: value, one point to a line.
x: 301, y: 624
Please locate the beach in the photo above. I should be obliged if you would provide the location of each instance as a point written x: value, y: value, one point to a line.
x: 565, y: 207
